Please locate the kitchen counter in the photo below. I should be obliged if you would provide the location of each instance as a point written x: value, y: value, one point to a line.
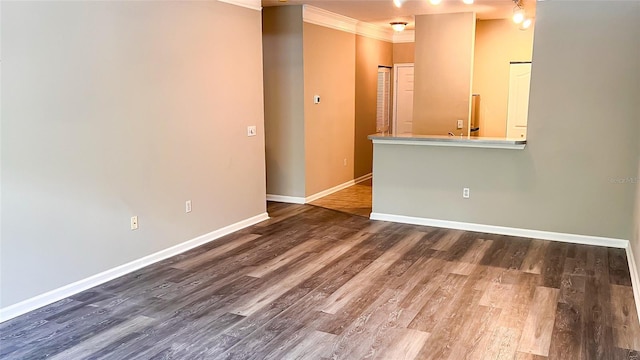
x: 456, y: 141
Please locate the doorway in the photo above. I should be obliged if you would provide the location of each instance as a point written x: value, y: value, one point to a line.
x: 403, y: 99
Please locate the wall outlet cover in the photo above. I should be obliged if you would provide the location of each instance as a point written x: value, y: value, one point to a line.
x: 134, y: 222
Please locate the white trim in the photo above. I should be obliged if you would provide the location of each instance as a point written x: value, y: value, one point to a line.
x: 316, y: 196
x: 321, y: 17
x: 317, y: 16
x: 363, y: 178
x: 536, y: 234
x: 285, y: 199
x: 452, y: 143
x: 337, y: 188
x: 395, y: 95
x: 374, y: 31
x: 330, y: 191
x: 249, y: 4
x: 52, y: 296
x: 407, y: 36
x: 635, y: 278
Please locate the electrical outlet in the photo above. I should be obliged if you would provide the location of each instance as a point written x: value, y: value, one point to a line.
x: 251, y: 130
x: 187, y: 206
x: 460, y: 124
x: 134, y: 222
x: 465, y: 193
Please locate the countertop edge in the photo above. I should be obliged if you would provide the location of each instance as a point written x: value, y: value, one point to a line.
x: 425, y: 140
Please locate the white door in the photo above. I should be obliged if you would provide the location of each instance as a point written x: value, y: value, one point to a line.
x: 403, y: 99
x: 518, y: 108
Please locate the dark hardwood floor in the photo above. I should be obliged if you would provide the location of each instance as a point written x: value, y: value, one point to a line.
x: 312, y: 283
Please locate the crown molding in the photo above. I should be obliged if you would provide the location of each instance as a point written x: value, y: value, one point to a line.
x: 250, y: 4
x: 407, y: 36
x: 374, y: 31
x: 317, y: 16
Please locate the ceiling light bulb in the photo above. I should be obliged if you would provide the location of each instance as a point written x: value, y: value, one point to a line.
x: 526, y: 23
x: 435, y: 2
x: 518, y: 15
x: 397, y: 3
x: 468, y: 2
x: 398, y: 26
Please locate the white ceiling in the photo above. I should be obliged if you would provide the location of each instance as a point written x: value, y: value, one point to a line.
x: 382, y: 12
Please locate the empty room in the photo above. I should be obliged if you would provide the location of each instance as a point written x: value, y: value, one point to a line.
x: 320, y: 179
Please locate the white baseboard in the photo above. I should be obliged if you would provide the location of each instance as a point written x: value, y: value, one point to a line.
x: 52, y: 296
x: 321, y: 194
x: 336, y: 188
x: 363, y: 178
x: 536, y: 234
x: 330, y: 191
x: 285, y: 199
x: 635, y: 278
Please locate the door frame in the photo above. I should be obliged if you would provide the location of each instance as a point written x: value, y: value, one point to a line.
x: 394, y: 122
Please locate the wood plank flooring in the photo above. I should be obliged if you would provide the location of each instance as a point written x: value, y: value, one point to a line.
x: 312, y: 283
x: 355, y: 199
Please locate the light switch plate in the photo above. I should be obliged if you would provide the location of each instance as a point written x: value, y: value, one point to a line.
x: 460, y: 124
x: 251, y: 130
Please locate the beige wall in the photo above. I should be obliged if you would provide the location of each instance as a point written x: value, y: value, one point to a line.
x: 583, y: 132
x: 443, y: 62
x: 498, y: 42
x: 283, y: 95
x: 115, y: 109
x: 370, y: 53
x: 329, y: 71
x: 404, y: 53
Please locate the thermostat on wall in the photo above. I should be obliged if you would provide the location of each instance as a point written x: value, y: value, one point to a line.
x: 316, y: 99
